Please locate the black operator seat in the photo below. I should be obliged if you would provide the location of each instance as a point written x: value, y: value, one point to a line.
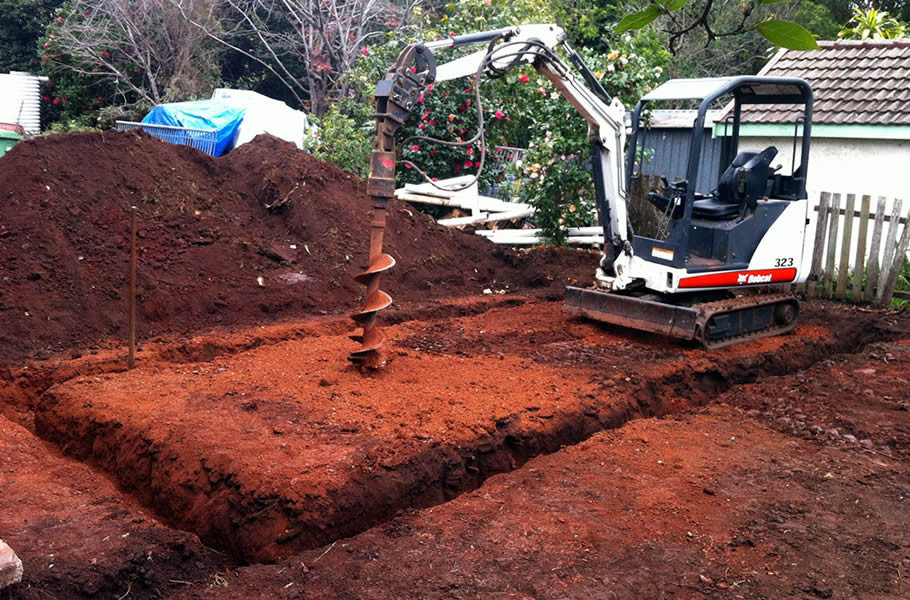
x: 741, y: 186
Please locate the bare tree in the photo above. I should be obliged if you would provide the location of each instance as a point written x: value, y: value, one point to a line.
x: 145, y: 47
x: 307, y: 44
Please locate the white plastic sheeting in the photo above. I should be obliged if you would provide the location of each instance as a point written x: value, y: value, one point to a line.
x: 20, y: 100
x: 267, y: 115
x: 687, y: 89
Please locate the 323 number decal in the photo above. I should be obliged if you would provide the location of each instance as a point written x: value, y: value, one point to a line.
x: 783, y: 262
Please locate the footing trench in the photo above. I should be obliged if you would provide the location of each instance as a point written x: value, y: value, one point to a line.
x: 266, y: 444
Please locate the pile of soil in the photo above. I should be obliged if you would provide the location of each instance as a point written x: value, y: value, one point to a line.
x: 211, y: 253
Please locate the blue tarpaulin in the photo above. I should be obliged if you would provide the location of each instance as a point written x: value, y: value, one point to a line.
x: 209, y: 115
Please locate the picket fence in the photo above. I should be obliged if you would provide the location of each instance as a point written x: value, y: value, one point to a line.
x: 872, y: 275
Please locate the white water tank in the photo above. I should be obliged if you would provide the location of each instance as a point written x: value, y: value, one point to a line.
x: 20, y: 100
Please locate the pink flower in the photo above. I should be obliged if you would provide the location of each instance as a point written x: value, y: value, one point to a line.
x: 432, y: 152
x: 524, y: 79
x: 542, y: 91
x: 421, y: 126
x: 364, y: 51
x: 415, y: 147
x: 467, y: 164
x: 47, y: 98
x: 499, y: 114
x: 56, y: 100
x: 430, y: 87
x: 432, y: 122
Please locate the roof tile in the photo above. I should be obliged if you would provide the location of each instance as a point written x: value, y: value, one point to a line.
x: 854, y: 81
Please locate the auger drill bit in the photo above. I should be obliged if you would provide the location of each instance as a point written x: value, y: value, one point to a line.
x: 371, y: 337
x: 395, y: 96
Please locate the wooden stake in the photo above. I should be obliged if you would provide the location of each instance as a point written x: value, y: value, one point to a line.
x: 890, y: 243
x: 834, y: 212
x: 859, y: 265
x: 131, y: 363
x: 818, y: 249
x: 845, y: 248
x: 875, y: 251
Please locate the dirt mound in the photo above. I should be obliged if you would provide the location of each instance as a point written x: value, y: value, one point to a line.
x: 206, y: 238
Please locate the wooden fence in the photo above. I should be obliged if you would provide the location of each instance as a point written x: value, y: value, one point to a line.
x: 873, y: 273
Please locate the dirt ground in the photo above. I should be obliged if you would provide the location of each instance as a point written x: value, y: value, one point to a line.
x: 507, y: 450
x: 211, y: 254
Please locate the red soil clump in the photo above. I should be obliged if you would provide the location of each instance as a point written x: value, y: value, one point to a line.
x: 206, y: 237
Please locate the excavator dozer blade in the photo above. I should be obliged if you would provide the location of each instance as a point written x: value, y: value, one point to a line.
x: 628, y: 311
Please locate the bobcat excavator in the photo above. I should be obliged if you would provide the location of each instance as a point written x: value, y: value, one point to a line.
x: 745, y: 230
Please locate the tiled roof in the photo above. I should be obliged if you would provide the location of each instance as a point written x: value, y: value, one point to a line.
x: 854, y: 82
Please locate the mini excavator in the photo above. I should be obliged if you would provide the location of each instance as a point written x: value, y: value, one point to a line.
x: 745, y: 230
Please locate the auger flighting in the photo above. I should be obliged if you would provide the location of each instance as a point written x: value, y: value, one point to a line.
x: 395, y: 96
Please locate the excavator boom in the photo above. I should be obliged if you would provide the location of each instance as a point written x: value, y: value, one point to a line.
x: 747, y: 232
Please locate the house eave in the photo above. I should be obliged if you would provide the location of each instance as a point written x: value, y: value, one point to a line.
x: 819, y: 130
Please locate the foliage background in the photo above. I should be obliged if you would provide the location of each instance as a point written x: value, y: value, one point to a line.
x: 521, y: 109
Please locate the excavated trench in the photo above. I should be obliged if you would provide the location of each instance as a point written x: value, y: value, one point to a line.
x: 260, y: 517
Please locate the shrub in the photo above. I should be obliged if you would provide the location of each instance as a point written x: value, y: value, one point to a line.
x: 344, y: 139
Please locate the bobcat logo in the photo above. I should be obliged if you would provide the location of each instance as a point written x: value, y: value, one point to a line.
x: 748, y: 278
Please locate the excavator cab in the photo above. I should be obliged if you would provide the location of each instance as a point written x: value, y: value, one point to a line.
x: 718, y: 225
x: 744, y: 227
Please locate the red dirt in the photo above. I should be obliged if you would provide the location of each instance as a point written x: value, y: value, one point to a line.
x: 283, y: 447
x: 77, y: 536
x: 267, y: 445
x: 205, y: 237
x: 719, y: 503
x: 779, y: 467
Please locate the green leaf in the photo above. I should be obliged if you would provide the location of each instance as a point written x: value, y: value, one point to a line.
x: 672, y: 5
x: 787, y: 35
x: 639, y: 19
x: 773, y: 1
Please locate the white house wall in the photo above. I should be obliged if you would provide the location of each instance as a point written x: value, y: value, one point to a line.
x: 874, y: 167
x: 857, y: 166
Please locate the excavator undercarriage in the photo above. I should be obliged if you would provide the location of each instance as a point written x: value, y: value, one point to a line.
x: 712, y: 323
